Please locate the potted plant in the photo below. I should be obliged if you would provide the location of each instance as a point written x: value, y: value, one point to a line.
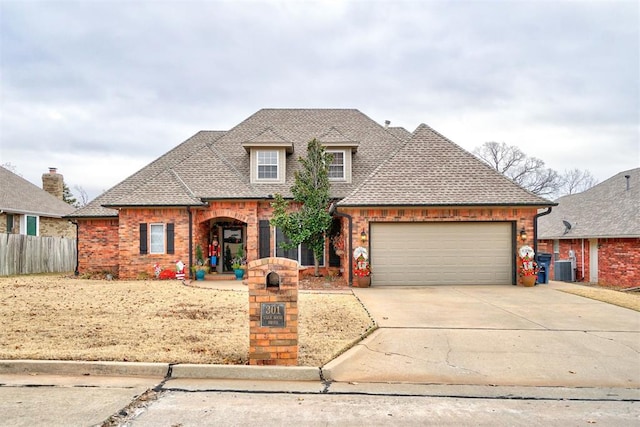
x: 200, y: 269
x: 362, y: 272
x: 528, y: 270
x: 238, y: 263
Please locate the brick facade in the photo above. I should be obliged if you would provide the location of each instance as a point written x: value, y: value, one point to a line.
x: 48, y: 227
x: 114, y: 244
x: 275, y: 344
x: 618, y: 259
x: 521, y: 217
x: 98, y: 244
x: 57, y: 227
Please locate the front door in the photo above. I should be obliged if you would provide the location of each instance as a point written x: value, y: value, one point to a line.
x: 232, y: 246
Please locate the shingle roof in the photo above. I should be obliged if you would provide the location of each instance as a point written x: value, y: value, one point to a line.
x: 215, y: 165
x: 146, y: 175
x: 605, y: 210
x: 431, y: 170
x: 17, y: 195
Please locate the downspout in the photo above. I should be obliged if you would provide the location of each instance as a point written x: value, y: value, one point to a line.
x: 77, y: 271
x: 190, y: 241
x: 333, y: 210
x: 535, y: 229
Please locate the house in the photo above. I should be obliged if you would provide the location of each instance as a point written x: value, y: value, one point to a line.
x: 598, y: 231
x: 426, y: 210
x: 27, y: 209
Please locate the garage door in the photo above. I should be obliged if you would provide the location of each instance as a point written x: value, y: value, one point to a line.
x: 441, y: 253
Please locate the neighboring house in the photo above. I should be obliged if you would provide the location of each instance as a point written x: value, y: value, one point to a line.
x: 27, y: 209
x: 600, y: 227
x: 428, y: 211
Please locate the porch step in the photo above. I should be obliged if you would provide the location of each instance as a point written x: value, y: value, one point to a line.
x: 220, y: 276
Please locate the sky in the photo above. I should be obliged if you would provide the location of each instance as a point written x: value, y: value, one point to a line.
x: 99, y: 89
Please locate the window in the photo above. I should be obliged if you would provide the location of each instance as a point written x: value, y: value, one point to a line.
x: 29, y: 225
x: 302, y: 254
x: 267, y: 165
x: 10, y: 226
x: 336, y: 168
x: 156, y: 242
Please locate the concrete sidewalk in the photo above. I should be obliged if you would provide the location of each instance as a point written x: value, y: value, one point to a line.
x: 493, y: 335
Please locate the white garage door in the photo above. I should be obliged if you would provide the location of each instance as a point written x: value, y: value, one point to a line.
x: 441, y: 253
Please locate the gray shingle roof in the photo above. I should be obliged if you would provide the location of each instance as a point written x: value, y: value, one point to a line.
x: 215, y: 165
x: 605, y: 210
x: 17, y: 195
x: 431, y: 170
x: 146, y: 175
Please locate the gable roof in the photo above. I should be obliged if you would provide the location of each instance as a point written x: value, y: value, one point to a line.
x: 605, y: 210
x: 146, y: 176
x: 17, y: 195
x: 431, y: 170
x: 216, y: 165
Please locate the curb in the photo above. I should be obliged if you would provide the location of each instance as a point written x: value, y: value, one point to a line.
x: 81, y: 368
x: 162, y: 370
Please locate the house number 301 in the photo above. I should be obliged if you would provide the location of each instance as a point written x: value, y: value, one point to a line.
x: 272, y: 315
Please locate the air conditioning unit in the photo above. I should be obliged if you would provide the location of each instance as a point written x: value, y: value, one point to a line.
x: 564, y: 271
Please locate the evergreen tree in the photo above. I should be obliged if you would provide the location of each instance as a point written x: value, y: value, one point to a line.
x: 67, y: 196
x: 310, y: 221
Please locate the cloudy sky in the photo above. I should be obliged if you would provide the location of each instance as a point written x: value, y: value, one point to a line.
x: 99, y: 89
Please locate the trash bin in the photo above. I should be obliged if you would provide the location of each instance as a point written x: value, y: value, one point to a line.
x: 544, y: 263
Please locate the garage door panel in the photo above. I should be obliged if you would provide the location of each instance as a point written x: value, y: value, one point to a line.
x: 441, y: 253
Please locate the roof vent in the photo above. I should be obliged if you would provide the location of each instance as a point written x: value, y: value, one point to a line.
x: 627, y: 176
x: 387, y: 123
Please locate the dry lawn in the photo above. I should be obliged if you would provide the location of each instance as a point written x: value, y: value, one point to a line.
x: 623, y: 299
x: 61, y: 318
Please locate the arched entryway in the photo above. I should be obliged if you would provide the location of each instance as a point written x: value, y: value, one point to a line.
x: 226, y: 243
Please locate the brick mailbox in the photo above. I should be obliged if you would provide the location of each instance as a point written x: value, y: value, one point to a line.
x: 273, y: 311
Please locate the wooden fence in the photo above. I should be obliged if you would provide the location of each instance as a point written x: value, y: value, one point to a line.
x: 21, y: 254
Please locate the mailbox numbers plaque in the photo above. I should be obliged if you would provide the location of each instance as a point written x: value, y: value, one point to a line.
x: 272, y: 315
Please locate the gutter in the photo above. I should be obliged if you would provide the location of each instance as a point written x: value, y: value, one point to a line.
x: 190, y: 241
x: 535, y: 228
x: 333, y: 210
x: 77, y: 270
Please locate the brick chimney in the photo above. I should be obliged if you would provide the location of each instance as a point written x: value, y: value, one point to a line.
x: 53, y: 183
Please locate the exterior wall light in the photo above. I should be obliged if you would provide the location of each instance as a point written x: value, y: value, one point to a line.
x: 523, y: 234
x: 363, y: 236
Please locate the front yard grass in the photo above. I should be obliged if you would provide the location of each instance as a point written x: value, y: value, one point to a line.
x: 61, y: 318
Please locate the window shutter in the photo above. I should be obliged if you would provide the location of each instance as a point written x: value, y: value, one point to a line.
x: 170, y: 239
x: 264, y: 238
x: 280, y: 252
x: 143, y: 239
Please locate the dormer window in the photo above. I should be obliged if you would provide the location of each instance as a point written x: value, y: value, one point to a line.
x: 267, y: 161
x: 337, y: 166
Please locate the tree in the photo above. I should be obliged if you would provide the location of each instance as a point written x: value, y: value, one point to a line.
x: 528, y: 172
x: 67, y: 196
x: 310, y: 221
x: 84, y: 197
x: 575, y: 181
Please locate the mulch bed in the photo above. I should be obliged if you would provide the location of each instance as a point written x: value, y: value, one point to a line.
x: 323, y: 283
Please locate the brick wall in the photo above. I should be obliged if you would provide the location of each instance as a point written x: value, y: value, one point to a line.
x: 523, y: 217
x: 618, y: 260
x: 98, y: 246
x: 57, y: 227
x: 132, y: 264
x: 273, y: 345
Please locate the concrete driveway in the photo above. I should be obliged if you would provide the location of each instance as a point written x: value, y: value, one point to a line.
x: 493, y: 335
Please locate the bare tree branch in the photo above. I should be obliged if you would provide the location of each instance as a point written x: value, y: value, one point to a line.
x: 575, y: 181
x: 528, y: 172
